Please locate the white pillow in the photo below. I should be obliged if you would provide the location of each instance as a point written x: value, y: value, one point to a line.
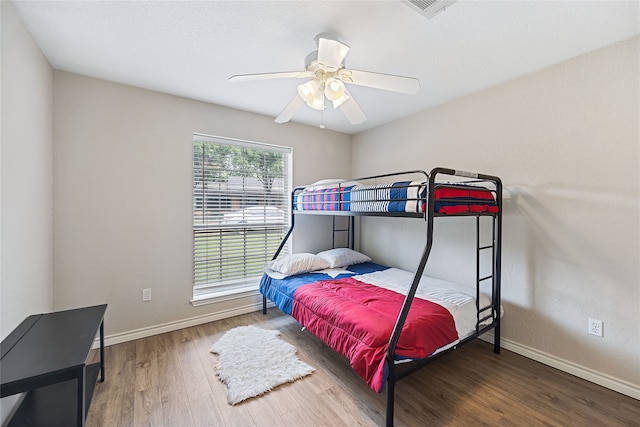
x: 331, y: 183
x: 342, y: 257
x: 297, y: 264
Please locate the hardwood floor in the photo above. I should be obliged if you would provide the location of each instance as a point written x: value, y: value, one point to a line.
x: 169, y: 380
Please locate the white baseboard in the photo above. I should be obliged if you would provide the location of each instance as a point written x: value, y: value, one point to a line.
x: 179, y: 324
x: 604, y: 380
x: 595, y: 377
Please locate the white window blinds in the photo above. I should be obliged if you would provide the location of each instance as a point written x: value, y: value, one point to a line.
x: 241, y: 209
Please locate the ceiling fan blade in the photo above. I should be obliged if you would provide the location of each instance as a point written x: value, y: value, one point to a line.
x: 352, y: 110
x: 407, y: 85
x: 290, y: 109
x: 270, y: 76
x: 331, y: 52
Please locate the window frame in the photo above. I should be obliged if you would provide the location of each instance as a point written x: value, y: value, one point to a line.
x: 204, y: 227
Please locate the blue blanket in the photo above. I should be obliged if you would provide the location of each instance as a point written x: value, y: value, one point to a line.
x: 281, y: 291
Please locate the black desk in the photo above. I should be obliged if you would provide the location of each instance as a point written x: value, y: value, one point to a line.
x: 46, y: 355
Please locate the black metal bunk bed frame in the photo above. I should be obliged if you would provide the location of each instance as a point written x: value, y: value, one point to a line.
x: 396, y: 373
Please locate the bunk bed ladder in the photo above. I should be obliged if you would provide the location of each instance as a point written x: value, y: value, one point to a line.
x: 348, y: 229
x: 480, y: 279
x: 495, y: 247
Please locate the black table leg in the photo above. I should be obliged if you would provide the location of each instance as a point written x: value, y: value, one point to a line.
x: 81, y: 387
x: 102, y: 351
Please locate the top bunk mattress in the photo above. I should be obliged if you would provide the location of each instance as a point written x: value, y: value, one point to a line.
x: 400, y: 196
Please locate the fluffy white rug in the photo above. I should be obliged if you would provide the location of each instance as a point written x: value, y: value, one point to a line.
x: 255, y: 360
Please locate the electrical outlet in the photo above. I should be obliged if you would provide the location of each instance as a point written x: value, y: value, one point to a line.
x: 146, y: 294
x: 595, y: 327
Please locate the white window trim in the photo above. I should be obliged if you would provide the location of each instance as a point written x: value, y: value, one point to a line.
x: 226, y: 295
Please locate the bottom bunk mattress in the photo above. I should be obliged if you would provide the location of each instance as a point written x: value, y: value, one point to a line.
x: 354, y: 311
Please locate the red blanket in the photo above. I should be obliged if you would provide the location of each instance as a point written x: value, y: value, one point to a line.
x: 356, y: 319
x: 464, y: 200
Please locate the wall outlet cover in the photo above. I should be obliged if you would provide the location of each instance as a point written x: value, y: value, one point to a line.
x: 595, y: 327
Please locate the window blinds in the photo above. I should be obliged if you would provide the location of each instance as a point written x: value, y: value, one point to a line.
x: 241, y: 208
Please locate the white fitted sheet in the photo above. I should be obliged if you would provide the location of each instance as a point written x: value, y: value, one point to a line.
x: 458, y: 299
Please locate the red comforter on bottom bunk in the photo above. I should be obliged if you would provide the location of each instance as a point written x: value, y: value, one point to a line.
x: 356, y: 319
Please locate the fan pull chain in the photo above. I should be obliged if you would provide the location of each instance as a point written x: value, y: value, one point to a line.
x: 322, y: 111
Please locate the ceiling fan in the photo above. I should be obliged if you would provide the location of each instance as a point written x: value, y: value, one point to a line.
x: 327, y: 77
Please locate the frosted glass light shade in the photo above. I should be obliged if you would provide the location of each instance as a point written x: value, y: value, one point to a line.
x: 312, y: 94
x: 334, y: 89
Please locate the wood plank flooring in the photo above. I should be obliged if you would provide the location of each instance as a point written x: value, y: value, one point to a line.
x: 169, y: 380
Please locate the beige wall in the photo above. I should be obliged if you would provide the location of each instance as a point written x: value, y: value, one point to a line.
x: 26, y: 199
x: 122, y: 195
x: 565, y: 141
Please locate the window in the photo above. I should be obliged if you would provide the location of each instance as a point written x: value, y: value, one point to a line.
x: 241, y: 212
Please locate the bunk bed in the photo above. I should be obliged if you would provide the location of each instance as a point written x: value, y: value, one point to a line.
x: 387, y: 322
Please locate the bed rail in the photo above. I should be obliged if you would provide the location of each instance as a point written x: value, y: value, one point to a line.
x: 385, y: 195
x: 340, y: 197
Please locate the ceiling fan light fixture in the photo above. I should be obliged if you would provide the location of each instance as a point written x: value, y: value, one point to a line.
x: 308, y: 90
x: 338, y: 102
x: 312, y: 94
x: 317, y: 103
x: 334, y: 89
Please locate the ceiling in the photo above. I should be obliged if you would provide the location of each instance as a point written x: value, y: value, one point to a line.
x: 190, y: 48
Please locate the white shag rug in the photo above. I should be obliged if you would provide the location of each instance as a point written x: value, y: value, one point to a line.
x: 254, y: 360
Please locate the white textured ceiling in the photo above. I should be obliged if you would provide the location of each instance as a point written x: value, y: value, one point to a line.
x: 190, y: 48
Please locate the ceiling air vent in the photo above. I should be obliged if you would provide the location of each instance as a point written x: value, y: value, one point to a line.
x: 428, y: 8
